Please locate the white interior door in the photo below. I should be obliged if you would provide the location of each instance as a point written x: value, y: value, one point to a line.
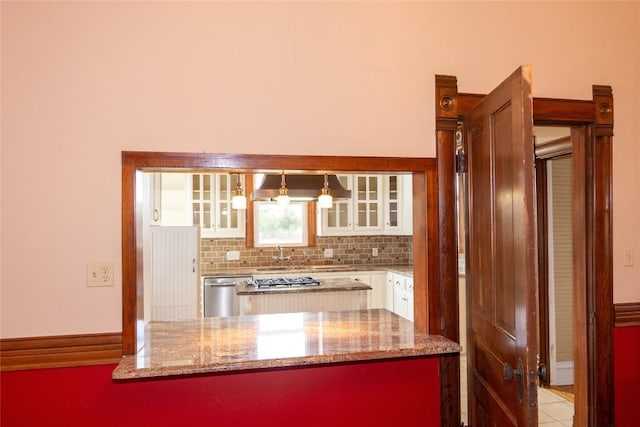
x: 174, y: 273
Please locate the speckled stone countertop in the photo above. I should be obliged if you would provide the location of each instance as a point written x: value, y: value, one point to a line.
x: 282, y: 270
x: 326, y: 285
x: 227, y: 344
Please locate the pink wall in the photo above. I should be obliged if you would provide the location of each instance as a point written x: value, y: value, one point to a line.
x: 82, y: 81
x: 402, y: 393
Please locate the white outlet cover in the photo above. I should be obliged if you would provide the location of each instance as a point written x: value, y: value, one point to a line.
x: 628, y: 260
x: 99, y: 274
x: 328, y: 253
x: 233, y: 255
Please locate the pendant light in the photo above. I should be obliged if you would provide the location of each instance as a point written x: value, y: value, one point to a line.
x: 325, y: 200
x: 238, y: 201
x: 283, y: 197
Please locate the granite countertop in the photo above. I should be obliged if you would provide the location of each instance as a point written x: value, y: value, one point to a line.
x: 292, y: 269
x: 267, y: 341
x: 326, y: 285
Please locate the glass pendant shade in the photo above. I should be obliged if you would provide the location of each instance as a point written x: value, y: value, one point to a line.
x: 283, y: 197
x: 238, y: 201
x: 325, y: 200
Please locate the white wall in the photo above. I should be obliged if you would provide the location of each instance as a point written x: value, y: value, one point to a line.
x: 82, y: 81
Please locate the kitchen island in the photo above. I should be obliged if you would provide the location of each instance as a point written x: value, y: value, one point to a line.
x: 224, y: 344
x: 320, y: 295
x: 365, y: 367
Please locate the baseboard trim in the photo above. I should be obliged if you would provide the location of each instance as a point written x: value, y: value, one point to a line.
x: 60, y: 351
x: 627, y: 314
x: 563, y: 374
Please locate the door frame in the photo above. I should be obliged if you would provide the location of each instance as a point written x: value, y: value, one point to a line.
x: 547, y: 152
x: 543, y: 265
x: 592, y: 122
x: 425, y: 214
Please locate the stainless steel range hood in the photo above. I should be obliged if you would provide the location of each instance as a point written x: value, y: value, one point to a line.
x: 300, y: 187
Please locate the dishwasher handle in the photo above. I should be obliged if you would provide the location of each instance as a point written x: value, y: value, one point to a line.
x: 225, y: 281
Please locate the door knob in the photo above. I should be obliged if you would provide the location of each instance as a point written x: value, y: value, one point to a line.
x: 518, y: 373
x: 542, y: 372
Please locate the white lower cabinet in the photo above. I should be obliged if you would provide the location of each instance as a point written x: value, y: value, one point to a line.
x: 378, y: 294
x: 271, y: 303
x: 409, y: 282
x: 389, y: 292
x: 377, y: 297
x: 402, y: 290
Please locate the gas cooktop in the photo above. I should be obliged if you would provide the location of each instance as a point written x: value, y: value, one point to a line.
x: 285, y: 282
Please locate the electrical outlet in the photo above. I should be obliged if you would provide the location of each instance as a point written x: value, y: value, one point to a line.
x: 627, y: 257
x: 233, y: 255
x: 99, y: 274
x: 374, y: 252
x: 328, y: 253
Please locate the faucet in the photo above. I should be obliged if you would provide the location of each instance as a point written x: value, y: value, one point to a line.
x: 281, y: 257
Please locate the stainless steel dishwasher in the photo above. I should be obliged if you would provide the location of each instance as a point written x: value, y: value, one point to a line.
x: 219, y: 293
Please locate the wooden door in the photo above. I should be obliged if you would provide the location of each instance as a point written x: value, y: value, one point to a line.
x: 501, y: 256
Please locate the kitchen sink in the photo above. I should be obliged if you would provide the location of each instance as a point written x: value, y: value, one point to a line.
x: 332, y: 267
x: 278, y: 268
x: 337, y: 267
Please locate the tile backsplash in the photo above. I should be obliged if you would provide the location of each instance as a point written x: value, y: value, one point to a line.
x: 346, y: 250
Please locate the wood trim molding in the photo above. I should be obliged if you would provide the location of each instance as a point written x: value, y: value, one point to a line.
x: 555, y: 148
x: 543, y: 264
x: 60, y: 351
x: 600, y: 256
x: 627, y: 314
x: 443, y: 305
x: 133, y: 161
x: 547, y: 110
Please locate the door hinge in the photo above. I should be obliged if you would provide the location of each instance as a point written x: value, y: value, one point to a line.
x: 461, y: 163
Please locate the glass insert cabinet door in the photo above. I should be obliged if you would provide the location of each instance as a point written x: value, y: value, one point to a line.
x: 211, y: 196
x: 228, y: 218
x: 392, y: 201
x: 338, y: 217
x: 202, y: 200
x: 368, y: 201
x: 363, y: 212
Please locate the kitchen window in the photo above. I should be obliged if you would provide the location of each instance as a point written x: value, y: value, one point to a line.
x: 281, y: 225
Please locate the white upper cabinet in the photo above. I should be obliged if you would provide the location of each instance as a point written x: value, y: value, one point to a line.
x: 380, y: 204
x: 367, y: 198
x: 228, y: 222
x: 338, y: 219
x: 203, y: 200
x: 398, y: 204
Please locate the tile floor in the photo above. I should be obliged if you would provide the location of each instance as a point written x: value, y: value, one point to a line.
x: 553, y: 410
